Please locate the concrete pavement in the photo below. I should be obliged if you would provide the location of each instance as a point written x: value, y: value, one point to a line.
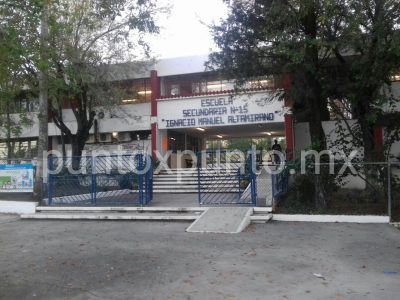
x: 145, y: 260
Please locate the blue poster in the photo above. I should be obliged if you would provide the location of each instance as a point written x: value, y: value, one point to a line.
x: 16, y: 178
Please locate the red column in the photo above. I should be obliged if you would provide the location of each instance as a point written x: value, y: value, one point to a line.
x: 288, y: 119
x: 50, y: 143
x: 155, y: 94
x: 289, y: 136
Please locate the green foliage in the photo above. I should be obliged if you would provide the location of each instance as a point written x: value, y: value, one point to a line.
x: 13, y: 72
x: 247, y: 143
x: 86, y: 38
x: 240, y: 144
x: 334, y: 50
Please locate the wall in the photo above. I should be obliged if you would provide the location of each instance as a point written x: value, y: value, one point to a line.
x: 121, y: 147
x: 331, y: 130
x: 111, y: 148
x: 131, y: 117
x: 303, y: 142
x: 181, y: 65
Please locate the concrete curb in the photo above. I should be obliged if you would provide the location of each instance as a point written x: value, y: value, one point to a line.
x: 17, y: 207
x: 106, y: 217
x: 331, y: 218
x: 119, y: 208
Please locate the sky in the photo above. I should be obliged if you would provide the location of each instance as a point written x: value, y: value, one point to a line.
x: 182, y: 32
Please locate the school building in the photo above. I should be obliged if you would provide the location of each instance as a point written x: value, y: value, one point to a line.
x: 176, y: 104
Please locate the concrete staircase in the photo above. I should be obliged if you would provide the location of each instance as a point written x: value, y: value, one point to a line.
x: 116, y: 213
x: 164, y: 214
x: 186, y: 181
x: 261, y: 215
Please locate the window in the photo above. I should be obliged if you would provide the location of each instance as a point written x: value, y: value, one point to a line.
x: 175, y: 90
x: 199, y: 87
x: 21, y: 105
x: 214, y: 86
x: 395, y: 77
x: 339, y: 109
x: 192, y: 84
x: 137, y: 91
x: 23, y: 148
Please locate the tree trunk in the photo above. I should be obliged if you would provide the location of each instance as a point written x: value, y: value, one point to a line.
x: 361, y: 112
x: 64, y: 152
x: 77, y: 143
x: 10, y: 145
x: 43, y: 107
x: 368, y: 141
x: 318, y: 114
x: 314, y: 100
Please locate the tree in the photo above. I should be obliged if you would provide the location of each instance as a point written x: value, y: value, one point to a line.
x: 372, y: 34
x: 71, y: 56
x: 87, y: 37
x: 278, y: 37
x: 43, y: 116
x: 67, y: 48
x: 13, y: 77
x: 343, y: 50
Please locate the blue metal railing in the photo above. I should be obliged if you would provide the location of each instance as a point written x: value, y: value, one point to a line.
x: 100, y: 180
x: 226, y: 178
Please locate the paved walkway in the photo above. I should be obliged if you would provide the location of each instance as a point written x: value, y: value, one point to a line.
x: 139, y: 260
x: 222, y: 220
x: 264, y: 189
x: 175, y: 200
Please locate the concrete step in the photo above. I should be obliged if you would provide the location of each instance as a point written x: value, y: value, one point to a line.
x: 195, y: 170
x: 202, y: 178
x: 194, y: 177
x: 188, y: 191
x: 187, y: 176
x: 262, y: 210
x: 260, y: 219
x: 191, y: 191
x: 195, y: 173
x: 118, y: 209
x: 214, y: 186
x: 203, y: 185
x: 108, y: 216
x: 261, y: 215
x: 238, y: 219
x: 173, y: 182
x: 116, y: 213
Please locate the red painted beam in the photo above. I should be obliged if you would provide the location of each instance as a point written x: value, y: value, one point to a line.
x: 289, y: 133
x: 378, y: 139
x: 155, y: 94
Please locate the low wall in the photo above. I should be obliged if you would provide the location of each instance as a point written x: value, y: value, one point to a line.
x: 17, y: 207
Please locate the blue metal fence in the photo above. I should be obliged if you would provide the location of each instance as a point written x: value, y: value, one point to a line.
x: 226, y: 178
x: 100, y: 180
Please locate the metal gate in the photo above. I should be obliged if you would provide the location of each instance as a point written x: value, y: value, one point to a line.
x: 226, y: 178
x: 100, y: 180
